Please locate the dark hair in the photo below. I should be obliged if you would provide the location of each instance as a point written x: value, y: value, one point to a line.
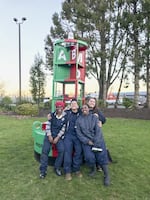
x: 74, y: 99
x: 95, y: 109
x: 85, y: 104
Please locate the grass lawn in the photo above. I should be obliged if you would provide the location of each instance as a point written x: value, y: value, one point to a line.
x: 127, y: 139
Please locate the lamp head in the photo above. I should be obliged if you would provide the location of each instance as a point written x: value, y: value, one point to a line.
x: 15, y: 19
x: 24, y: 19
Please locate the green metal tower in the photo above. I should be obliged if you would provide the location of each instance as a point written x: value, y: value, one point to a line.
x: 69, y: 67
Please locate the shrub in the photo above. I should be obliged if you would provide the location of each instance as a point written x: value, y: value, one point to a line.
x: 6, y: 103
x: 128, y: 103
x: 27, y: 109
x: 101, y: 103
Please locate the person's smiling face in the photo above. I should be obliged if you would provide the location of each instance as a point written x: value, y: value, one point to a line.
x: 74, y: 105
x: 92, y: 103
x: 59, y: 110
x: 85, y: 109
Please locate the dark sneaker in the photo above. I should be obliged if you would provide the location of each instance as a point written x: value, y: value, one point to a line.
x: 42, y: 175
x: 58, y: 172
x: 99, y: 169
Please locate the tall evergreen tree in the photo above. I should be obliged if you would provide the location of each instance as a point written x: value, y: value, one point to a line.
x: 37, y: 79
x: 133, y: 24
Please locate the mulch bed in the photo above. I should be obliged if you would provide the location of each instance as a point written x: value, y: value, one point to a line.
x: 142, y: 113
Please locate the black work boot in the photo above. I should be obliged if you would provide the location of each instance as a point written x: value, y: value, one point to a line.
x: 92, y: 171
x: 106, y: 175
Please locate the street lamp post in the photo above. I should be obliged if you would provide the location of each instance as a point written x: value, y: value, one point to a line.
x: 19, y: 32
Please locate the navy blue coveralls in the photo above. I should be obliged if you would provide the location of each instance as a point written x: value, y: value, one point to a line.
x: 73, y: 148
x: 57, y: 127
x: 101, y: 117
x: 87, y: 129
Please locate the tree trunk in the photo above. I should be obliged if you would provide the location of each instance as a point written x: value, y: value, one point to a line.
x: 136, y: 61
x: 119, y: 90
x: 148, y: 85
x: 103, y: 60
x: 148, y: 65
